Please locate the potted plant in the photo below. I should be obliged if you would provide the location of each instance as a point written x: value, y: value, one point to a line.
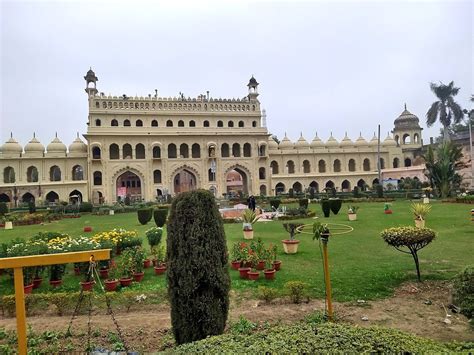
x: 88, y: 282
x: 236, y: 255
x: 426, y: 198
x: 290, y: 246
x: 245, y: 262
x: 126, y: 267
x: 139, y: 257
x: 249, y: 217
x: 420, y: 210
x: 159, y: 254
x: 8, y: 221
x: 320, y: 230
x: 253, y: 274
x: 258, y: 248
x: 153, y: 235
x: 276, y: 263
x: 352, y: 212
x: 387, y: 209
x: 111, y: 282
x: 269, y: 270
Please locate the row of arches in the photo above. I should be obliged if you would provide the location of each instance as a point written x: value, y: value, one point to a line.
x: 32, y: 174
x: 407, y: 139
x: 346, y: 186
x: 170, y: 123
x: 51, y: 196
x: 336, y: 167
x: 174, y: 106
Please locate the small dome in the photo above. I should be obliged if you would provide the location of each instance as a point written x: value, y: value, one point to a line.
x: 406, y: 120
x: 389, y: 141
x: 316, y: 142
x: 252, y: 82
x: 302, y: 143
x: 56, y: 146
x: 374, y: 140
x: 347, y: 141
x: 361, y: 141
x: 78, y: 146
x: 285, y: 143
x: 271, y: 143
x: 332, y: 142
x: 11, y: 146
x: 34, y: 146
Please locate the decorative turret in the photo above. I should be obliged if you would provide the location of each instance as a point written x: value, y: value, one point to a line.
x: 253, y: 89
x: 389, y: 141
x: 271, y: 143
x: 374, y: 140
x: 346, y: 141
x: 361, y: 141
x: 91, y: 81
x: 285, y: 143
x: 56, y: 148
x: 11, y: 148
x: 317, y: 142
x: 302, y: 143
x: 77, y: 147
x: 332, y: 142
x: 34, y: 148
x: 407, y: 130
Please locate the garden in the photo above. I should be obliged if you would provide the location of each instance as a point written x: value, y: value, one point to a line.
x: 365, y: 265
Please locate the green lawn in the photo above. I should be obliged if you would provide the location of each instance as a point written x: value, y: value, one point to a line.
x: 362, y: 265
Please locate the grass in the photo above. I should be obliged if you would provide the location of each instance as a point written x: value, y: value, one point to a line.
x: 362, y: 265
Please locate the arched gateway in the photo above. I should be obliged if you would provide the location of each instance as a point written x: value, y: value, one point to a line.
x: 129, y: 185
x: 184, y: 181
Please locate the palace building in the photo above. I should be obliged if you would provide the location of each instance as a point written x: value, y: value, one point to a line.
x: 146, y: 147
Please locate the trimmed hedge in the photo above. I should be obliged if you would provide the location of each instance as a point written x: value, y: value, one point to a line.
x: 144, y: 215
x: 159, y: 215
x: 335, y: 205
x: 85, y: 207
x: 310, y: 339
x: 326, y: 206
x: 275, y: 203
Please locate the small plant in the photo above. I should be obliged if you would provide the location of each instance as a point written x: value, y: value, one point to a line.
x: 296, y: 290
x: 463, y: 291
x: 352, y: 209
x: 126, y: 264
x: 144, y: 215
x: 139, y: 256
x: 420, y: 210
x: 320, y: 229
x: 159, y: 254
x: 316, y: 318
x: 303, y: 202
x: 3, y: 208
x: 267, y: 294
x: 275, y: 203
x: 249, y: 217
x: 292, y: 228
x: 154, y: 236
x: 243, y: 326
x: 386, y: 206
x: 291, y: 193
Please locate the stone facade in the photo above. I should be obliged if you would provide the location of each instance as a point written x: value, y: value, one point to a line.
x: 144, y: 147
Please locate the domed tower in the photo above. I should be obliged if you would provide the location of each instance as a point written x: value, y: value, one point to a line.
x: 91, y: 82
x: 253, y: 89
x: 407, y: 131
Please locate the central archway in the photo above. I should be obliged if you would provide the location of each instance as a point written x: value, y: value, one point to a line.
x: 236, y: 182
x: 183, y: 181
x: 129, y: 185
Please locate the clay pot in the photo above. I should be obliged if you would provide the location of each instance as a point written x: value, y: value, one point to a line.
x: 420, y: 223
x: 37, y: 282
x: 352, y: 216
x: 277, y: 265
x: 111, y: 285
x: 160, y: 270
x: 269, y: 274
x: 77, y: 271
x: 253, y: 275
x: 260, y: 265
x: 104, y: 273
x: 125, y: 281
x: 248, y: 234
x: 388, y: 212
x: 28, y: 289
x: 138, y: 276
x: 87, y: 285
x: 290, y: 246
x: 244, y: 272
x: 55, y: 283
x: 87, y: 229
x: 235, y: 265
x: 147, y: 263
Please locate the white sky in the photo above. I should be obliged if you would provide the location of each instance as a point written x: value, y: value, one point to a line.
x: 322, y: 66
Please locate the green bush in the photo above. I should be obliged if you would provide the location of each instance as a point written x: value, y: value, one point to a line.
x: 31, y: 207
x: 154, y: 236
x: 144, y: 215
x: 306, y: 338
x: 303, y: 202
x: 275, y: 203
x: 291, y: 193
x: 85, y: 207
x: 463, y: 291
x: 326, y: 206
x: 296, y: 290
x: 198, y: 274
x: 266, y: 293
x: 243, y: 326
x: 3, y: 208
x: 356, y: 192
x: 335, y: 205
x: 379, y: 190
x: 159, y: 215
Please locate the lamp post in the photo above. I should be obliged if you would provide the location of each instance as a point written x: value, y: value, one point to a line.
x: 470, y: 117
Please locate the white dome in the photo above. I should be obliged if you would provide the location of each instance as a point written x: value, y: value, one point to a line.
x: 332, y: 142
x: 347, y: 141
x: 12, y: 147
x: 285, y: 143
x: 272, y: 144
x: 317, y: 142
x: 389, y: 141
x: 374, y: 140
x: 78, y: 146
x: 361, y: 141
x: 302, y: 143
x: 34, y: 146
x: 56, y: 146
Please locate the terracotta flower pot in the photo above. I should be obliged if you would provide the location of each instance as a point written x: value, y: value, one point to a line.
x: 290, y: 246
x: 160, y: 270
x: 55, y: 283
x: 235, y: 265
x: 77, y: 271
x: 269, y: 274
x: 87, y: 229
x: 104, y: 273
x: 420, y: 223
x: 28, y: 289
x: 87, y: 285
x: 253, y: 275
x: 277, y: 265
x: 388, y: 212
x: 138, y: 276
x: 37, y: 282
x: 125, y: 281
x: 147, y: 263
x: 244, y: 272
x: 352, y: 216
x: 248, y: 234
x: 261, y: 265
x: 111, y: 285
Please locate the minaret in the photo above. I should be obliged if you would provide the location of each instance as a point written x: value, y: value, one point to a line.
x: 91, y: 81
x: 253, y: 89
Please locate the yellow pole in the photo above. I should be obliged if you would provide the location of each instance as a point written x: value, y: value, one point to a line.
x: 327, y: 278
x: 20, y: 310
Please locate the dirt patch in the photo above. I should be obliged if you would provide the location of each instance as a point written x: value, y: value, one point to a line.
x: 415, y: 308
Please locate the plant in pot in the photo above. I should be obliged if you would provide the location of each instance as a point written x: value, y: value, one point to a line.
x: 126, y: 267
x: 139, y: 257
x: 352, y: 212
x: 258, y: 248
x: 159, y: 259
x: 21, y: 248
x: 58, y: 244
x: 153, y: 235
x: 249, y: 217
x: 420, y: 210
x: 290, y: 246
x: 276, y: 263
x: 269, y: 270
x: 387, y: 209
x: 253, y: 273
x: 426, y: 198
x: 236, y: 255
x: 320, y: 230
x: 111, y: 282
x: 245, y: 261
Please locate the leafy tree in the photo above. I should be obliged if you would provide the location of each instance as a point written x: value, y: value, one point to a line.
x: 445, y: 110
x: 198, y: 275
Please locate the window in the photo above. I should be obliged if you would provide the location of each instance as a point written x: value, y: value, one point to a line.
x: 156, y: 152
x: 352, y: 165
x: 154, y: 123
x: 236, y: 150
x: 54, y: 173
x: 306, y: 167
x: 261, y: 173
x: 32, y: 174
x: 274, y: 167
x: 184, y: 150
x: 140, y: 151
x: 95, y: 153
x: 97, y: 122
x: 192, y: 123
x: 241, y: 124
x: 139, y: 123
x: 206, y: 124
x: 127, y: 151
x: 262, y: 151
x: 225, y: 150
x: 291, y: 167
x: 247, y: 150
x: 254, y: 123
x: 196, y: 150
x: 180, y: 123
x: 366, y: 164
x: 126, y: 123
x: 169, y: 123
x: 337, y: 166
x: 220, y: 124
x: 114, y: 151
x: 97, y: 178
x: 172, y: 151
x: 77, y: 173
x: 157, y: 176
x: 230, y: 124
x: 114, y: 123
x: 8, y: 175
x: 322, y: 166
x: 211, y: 176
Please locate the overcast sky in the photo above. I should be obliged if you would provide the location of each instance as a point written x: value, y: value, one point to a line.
x: 322, y: 66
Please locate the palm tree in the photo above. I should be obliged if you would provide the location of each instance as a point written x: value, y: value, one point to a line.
x: 445, y: 110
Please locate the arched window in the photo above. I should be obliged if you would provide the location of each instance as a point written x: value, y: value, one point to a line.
x: 230, y: 124
x: 366, y: 164
x: 211, y: 176
x: 206, y: 124
x: 8, y: 175
x: 169, y: 123
x: 352, y: 165
x: 225, y: 150
x: 114, y: 123
x: 180, y: 123
x: 52, y: 196
x: 291, y: 167
x: 241, y: 124
x: 322, y: 166
x: 127, y: 152
x: 184, y: 150
x: 274, y: 167
x: 254, y: 123
x: 192, y: 123
x: 396, y: 162
x: 32, y: 174
x: 126, y: 123
x: 195, y: 151
x: 95, y: 153
x: 261, y: 174
x: 362, y: 185
x: 54, y: 173
x: 156, y: 152
x: 263, y: 190
x: 236, y: 150
x: 262, y: 150
x: 139, y: 123
x: 407, y: 162
x: 314, y: 185
x: 114, y: 151
x: 172, y: 153
x: 346, y: 186
x: 279, y: 188
x: 337, y: 166
x: 154, y: 123
x: 406, y: 139
x: 329, y: 184
x: 220, y: 124
x: 77, y: 173
x: 416, y: 138
x: 297, y: 187
x: 98, y: 122
x: 97, y: 178
x: 306, y: 167
x: 157, y: 176
x: 140, y: 151
x: 382, y: 163
x: 247, y: 150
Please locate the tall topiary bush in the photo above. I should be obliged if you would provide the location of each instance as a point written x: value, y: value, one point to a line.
x: 159, y: 215
x: 275, y: 203
x: 326, y: 206
x: 198, y: 276
x: 335, y: 205
x: 379, y: 190
x: 144, y: 215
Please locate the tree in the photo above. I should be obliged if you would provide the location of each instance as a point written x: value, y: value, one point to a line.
x: 275, y: 138
x: 198, y: 274
x: 442, y: 165
x: 411, y: 238
x: 445, y: 110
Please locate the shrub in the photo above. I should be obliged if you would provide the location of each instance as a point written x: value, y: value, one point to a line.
x: 266, y: 293
x: 312, y: 193
x: 303, y: 203
x: 379, y: 190
x: 31, y: 207
x: 243, y: 326
x: 335, y: 205
x: 159, y: 215
x: 291, y: 193
x: 144, y: 215
x: 3, y: 208
x: 85, y: 207
x: 356, y: 192
x: 411, y: 238
x: 326, y: 206
x: 154, y: 236
x: 463, y: 291
x: 296, y: 290
x: 198, y: 282
x: 275, y: 203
